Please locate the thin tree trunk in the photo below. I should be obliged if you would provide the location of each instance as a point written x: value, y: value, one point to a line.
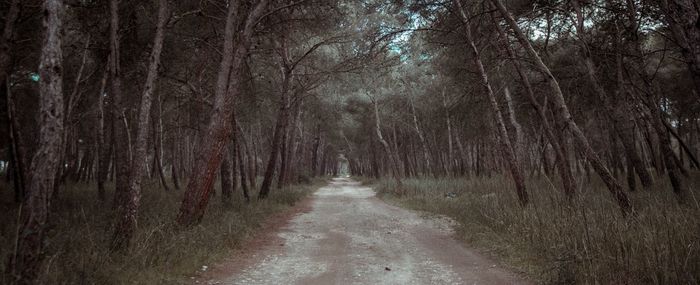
x: 239, y: 144
x: 424, y: 145
x: 624, y: 124
x: 226, y: 184
x: 448, y: 122
x: 17, y: 155
x: 126, y: 220
x: 562, y: 160
x: 506, y: 146
x: 174, y: 164
x: 158, y: 143
x: 122, y: 142
x: 564, y: 116
x: 6, y: 40
x: 315, y: 150
x: 277, y: 140
x: 103, y: 152
x: 393, y: 164
x: 682, y: 17
x: 280, y: 132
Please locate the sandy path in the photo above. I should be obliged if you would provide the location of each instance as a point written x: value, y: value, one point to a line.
x: 351, y: 237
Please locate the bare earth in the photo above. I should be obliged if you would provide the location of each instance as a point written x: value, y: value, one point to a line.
x: 348, y: 236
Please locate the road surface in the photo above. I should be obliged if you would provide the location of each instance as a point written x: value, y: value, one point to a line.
x: 351, y: 237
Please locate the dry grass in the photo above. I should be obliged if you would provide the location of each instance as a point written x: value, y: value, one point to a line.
x: 586, y: 241
x: 160, y: 253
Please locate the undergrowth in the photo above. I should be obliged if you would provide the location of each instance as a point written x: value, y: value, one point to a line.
x: 556, y: 241
x: 160, y: 253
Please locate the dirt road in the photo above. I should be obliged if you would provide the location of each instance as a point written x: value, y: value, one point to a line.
x: 351, y: 237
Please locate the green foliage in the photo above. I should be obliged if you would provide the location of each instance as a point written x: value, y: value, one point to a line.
x: 160, y: 253
x: 556, y: 241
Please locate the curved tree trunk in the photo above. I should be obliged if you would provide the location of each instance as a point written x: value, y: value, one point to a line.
x: 624, y: 124
x: 393, y: 164
x: 509, y: 153
x: 219, y: 129
x: 564, y: 116
x: 562, y: 159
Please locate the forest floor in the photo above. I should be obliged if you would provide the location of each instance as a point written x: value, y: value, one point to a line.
x: 346, y: 235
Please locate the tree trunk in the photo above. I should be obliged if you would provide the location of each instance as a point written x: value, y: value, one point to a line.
x: 506, y: 146
x: 563, y: 113
x: 423, y: 143
x: 122, y: 142
x: 126, y: 220
x: 218, y: 131
x: 624, y: 124
x: 277, y: 138
x: 448, y: 122
x: 6, y: 40
x: 314, y: 150
x: 239, y: 146
x: 393, y: 164
x: 17, y: 156
x: 562, y: 160
x: 682, y: 17
x: 158, y: 143
x: 25, y: 264
x: 103, y: 152
x: 226, y: 184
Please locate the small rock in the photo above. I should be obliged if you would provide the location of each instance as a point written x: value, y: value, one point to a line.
x: 387, y: 268
x: 204, y: 267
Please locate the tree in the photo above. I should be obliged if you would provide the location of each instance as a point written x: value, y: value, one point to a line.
x: 129, y: 204
x: 563, y: 114
x: 25, y: 263
x: 219, y: 128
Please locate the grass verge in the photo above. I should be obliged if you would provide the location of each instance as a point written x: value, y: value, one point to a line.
x: 160, y: 253
x: 556, y: 241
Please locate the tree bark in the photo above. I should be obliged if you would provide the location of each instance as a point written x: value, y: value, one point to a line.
x: 25, y: 263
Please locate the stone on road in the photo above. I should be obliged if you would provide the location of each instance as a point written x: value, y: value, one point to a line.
x: 352, y: 237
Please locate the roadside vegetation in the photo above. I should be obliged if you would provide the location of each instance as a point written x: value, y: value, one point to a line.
x: 553, y: 241
x: 160, y: 253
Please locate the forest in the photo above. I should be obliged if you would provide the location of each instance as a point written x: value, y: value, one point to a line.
x: 144, y: 139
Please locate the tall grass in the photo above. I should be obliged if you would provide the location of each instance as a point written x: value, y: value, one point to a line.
x: 556, y: 241
x: 160, y: 253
